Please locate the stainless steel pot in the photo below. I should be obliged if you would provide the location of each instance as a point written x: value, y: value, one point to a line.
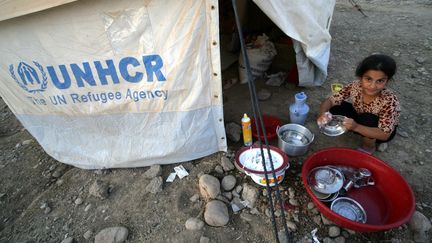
x: 294, y: 139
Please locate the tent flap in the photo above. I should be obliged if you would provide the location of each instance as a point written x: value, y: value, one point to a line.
x: 308, y: 23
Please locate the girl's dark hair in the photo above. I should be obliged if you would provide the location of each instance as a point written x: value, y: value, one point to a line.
x: 378, y: 62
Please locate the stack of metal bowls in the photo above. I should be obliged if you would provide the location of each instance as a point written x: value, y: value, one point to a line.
x: 325, y: 182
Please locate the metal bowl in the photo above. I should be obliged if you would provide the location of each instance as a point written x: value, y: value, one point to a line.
x: 334, y: 127
x: 294, y: 139
x: 319, y: 195
x: 349, y: 208
x: 332, y: 197
x: 325, y: 179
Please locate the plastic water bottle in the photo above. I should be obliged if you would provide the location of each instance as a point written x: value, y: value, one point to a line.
x: 299, y: 109
x: 247, y: 130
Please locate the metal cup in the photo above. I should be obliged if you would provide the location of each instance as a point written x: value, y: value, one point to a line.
x: 344, y: 190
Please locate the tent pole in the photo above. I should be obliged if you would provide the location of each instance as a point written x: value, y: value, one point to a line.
x: 261, y: 128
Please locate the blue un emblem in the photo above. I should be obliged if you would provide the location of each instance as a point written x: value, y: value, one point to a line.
x: 30, y: 79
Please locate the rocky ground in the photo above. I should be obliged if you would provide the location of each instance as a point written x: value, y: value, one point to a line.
x: 43, y: 200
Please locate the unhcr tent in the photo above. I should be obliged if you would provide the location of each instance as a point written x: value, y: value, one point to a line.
x: 105, y: 83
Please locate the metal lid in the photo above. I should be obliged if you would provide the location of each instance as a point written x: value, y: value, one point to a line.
x: 334, y: 127
x: 325, y: 179
x: 349, y: 208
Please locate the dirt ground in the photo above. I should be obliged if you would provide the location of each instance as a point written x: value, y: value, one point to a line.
x: 38, y: 195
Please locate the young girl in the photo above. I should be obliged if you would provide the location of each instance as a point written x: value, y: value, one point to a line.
x: 375, y: 110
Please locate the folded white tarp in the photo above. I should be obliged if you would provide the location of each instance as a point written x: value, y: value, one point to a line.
x: 108, y: 83
x: 308, y: 23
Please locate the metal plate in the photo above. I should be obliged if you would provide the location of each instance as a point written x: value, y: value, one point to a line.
x: 325, y: 179
x: 349, y: 208
x: 334, y: 127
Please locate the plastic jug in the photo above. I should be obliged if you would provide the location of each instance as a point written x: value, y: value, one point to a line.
x: 299, y: 109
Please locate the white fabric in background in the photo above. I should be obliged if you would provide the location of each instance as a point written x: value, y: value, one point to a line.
x: 307, y: 22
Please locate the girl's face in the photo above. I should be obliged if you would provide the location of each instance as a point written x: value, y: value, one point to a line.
x: 373, y: 82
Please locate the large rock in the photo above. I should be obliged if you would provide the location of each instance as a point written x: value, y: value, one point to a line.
x: 209, y: 186
x: 420, y: 226
x: 339, y: 239
x: 226, y: 164
x: 155, y: 170
x: 250, y: 195
x: 334, y: 231
x: 233, y: 131
x: 112, y: 235
x: 216, y: 213
x: 228, y: 182
x: 194, y: 224
x: 155, y: 185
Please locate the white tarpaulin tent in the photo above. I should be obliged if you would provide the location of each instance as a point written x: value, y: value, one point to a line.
x: 105, y: 83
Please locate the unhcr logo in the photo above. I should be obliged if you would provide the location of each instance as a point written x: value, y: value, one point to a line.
x: 30, y: 79
x: 74, y: 75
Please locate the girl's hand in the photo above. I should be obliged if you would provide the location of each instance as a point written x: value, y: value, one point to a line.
x: 349, y: 123
x: 324, y: 119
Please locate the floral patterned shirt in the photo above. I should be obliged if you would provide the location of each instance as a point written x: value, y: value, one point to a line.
x: 386, y: 106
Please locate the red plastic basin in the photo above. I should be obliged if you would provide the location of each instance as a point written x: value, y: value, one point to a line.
x: 270, y: 123
x: 388, y: 204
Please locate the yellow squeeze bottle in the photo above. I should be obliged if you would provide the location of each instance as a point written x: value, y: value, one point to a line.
x: 247, y: 130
